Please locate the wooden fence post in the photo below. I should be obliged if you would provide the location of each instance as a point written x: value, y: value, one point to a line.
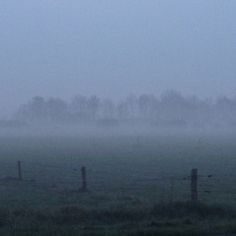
x: 84, y: 179
x: 19, y: 170
x: 194, y: 185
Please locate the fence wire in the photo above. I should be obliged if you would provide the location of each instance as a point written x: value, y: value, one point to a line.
x: 50, y: 177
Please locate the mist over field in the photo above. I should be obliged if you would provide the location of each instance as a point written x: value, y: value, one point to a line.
x: 111, y: 49
x: 60, y: 61
x: 171, y: 112
x: 117, y: 117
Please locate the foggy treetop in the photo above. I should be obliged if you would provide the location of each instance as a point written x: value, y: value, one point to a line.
x: 170, y: 109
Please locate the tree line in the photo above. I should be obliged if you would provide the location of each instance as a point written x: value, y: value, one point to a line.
x: 170, y: 109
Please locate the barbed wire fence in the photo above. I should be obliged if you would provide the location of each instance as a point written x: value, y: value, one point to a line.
x: 194, y: 187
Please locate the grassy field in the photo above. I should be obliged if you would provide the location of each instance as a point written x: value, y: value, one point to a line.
x: 137, y: 185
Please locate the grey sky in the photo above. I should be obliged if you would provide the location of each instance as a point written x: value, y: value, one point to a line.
x: 115, y: 47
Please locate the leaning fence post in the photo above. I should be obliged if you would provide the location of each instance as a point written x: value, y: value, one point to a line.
x: 84, y: 179
x: 194, y: 185
x: 19, y: 170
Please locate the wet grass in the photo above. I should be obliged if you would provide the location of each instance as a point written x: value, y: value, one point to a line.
x: 180, y: 218
x: 121, y: 200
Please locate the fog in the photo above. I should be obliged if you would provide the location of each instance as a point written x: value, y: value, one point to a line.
x: 53, y: 48
x: 108, y: 63
x: 117, y: 117
x: 170, y: 113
